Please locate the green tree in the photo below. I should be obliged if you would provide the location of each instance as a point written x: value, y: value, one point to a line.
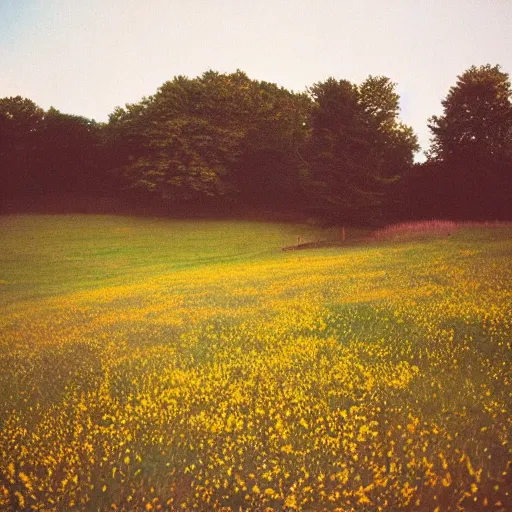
x: 20, y: 125
x: 471, y: 141
x: 169, y: 147
x: 69, y: 156
x: 358, y: 150
x: 267, y: 173
x: 218, y: 135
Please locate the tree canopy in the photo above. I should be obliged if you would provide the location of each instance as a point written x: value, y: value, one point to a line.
x: 20, y: 124
x: 472, y: 143
x: 224, y: 142
x: 357, y: 148
x: 198, y: 137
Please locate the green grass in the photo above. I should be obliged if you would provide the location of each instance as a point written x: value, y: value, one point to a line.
x: 185, y: 365
x: 49, y: 255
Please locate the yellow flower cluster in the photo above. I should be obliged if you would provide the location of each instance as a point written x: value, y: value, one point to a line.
x: 374, y: 378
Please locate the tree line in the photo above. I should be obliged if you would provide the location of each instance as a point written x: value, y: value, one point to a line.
x: 225, y: 144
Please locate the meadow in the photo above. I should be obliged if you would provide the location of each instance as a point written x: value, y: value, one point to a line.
x: 151, y: 364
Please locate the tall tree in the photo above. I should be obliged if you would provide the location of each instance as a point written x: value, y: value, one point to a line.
x: 20, y: 125
x: 471, y: 143
x: 358, y: 149
x: 69, y: 156
x: 169, y: 147
x: 267, y: 174
x: 215, y: 135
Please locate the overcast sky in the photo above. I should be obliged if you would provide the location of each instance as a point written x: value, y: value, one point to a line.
x: 88, y: 56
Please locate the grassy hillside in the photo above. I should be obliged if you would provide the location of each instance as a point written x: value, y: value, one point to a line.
x: 51, y: 255
x: 165, y: 365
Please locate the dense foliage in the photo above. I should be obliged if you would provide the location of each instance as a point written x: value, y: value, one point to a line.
x: 49, y: 153
x: 358, y: 149
x: 215, y: 135
x: 224, y: 143
x: 469, y: 170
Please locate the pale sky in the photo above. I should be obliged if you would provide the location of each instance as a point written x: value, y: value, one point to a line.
x: 86, y: 57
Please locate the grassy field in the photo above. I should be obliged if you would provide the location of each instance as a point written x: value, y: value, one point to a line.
x: 152, y: 364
